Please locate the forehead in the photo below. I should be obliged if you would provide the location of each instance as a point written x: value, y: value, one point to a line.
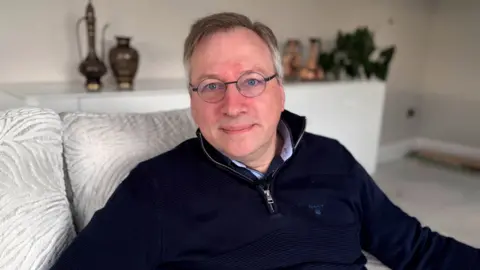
x: 227, y: 54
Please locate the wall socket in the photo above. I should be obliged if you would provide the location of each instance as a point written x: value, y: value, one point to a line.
x: 411, y: 112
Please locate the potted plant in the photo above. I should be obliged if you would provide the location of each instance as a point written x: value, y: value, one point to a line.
x: 353, y: 55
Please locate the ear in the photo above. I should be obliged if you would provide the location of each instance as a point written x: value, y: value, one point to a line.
x: 194, y: 113
x: 192, y: 105
x: 282, y: 93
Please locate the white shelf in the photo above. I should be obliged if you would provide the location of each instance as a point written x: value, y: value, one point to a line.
x: 333, y: 109
x: 142, y: 88
x: 77, y: 90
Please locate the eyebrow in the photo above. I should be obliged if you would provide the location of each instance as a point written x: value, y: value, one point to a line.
x: 208, y: 76
x: 216, y: 76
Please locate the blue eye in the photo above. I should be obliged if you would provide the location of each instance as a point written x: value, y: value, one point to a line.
x: 211, y: 87
x: 252, y: 82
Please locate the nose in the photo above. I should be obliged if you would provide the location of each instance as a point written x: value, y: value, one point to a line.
x: 233, y: 103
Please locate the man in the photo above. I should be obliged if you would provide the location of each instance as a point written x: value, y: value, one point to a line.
x: 254, y: 190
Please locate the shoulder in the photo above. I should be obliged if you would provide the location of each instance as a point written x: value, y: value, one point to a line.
x: 171, y: 162
x: 328, y: 155
x: 177, y: 156
x: 150, y: 177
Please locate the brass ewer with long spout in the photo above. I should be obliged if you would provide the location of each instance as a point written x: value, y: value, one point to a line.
x: 92, y: 67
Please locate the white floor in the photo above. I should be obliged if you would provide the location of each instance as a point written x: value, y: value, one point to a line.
x: 446, y: 200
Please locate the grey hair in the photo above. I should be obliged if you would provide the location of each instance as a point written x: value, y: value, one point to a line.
x: 226, y: 21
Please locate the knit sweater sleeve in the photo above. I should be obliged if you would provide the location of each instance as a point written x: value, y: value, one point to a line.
x: 124, y: 234
x: 400, y: 241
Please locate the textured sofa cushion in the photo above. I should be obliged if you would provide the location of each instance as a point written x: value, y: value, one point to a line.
x: 35, y: 219
x: 101, y: 149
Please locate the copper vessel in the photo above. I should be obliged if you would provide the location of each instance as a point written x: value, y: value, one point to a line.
x: 92, y: 67
x: 124, y: 63
x: 291, y: 59
x: 311, y: 71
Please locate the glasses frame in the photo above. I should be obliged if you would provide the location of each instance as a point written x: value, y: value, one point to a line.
x: 265, y: 79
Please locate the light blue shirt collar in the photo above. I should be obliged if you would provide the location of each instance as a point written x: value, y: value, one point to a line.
x: 285, y: 154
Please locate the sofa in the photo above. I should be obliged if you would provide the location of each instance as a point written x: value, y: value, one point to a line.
x: 56, y: 170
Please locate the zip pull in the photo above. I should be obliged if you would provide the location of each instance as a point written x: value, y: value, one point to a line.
x: 269, y: 199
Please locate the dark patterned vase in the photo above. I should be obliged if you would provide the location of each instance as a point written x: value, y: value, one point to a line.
x: 124, y: 63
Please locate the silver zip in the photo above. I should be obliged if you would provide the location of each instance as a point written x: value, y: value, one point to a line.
x: 269, y: 198
x: 301, y: 134
x: 266, y: 189
x: 220, y: 164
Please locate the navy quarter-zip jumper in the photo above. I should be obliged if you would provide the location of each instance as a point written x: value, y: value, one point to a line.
x: 191, y: 208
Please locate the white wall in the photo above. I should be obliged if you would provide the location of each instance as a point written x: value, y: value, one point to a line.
x: 7, y: 101
x: 451, y: 98
x: 38, y: 43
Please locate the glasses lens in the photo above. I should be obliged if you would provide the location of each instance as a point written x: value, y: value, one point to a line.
x: 251, y: 84
x: 211, y: 90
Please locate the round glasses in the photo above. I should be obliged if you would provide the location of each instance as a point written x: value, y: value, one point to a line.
x: 250, y: 85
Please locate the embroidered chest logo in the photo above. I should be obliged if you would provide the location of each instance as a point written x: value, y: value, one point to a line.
x: 317, y: 209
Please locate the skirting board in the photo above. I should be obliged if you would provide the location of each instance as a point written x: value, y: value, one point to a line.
x: 398, y: 150
x: 395, y: 151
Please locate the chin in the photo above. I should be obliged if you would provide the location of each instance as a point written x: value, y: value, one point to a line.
x: 238, y: 150
x: 236, y: 145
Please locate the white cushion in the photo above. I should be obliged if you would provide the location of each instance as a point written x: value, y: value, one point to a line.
x: 35, y: 219
x: 101, y: 149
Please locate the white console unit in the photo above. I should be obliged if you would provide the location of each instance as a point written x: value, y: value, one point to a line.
x: 349, y: 111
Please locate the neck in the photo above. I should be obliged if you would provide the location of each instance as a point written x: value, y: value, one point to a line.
x: 261, y: 159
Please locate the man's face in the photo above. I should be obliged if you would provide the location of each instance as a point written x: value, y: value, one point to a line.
x: 238, y: 126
